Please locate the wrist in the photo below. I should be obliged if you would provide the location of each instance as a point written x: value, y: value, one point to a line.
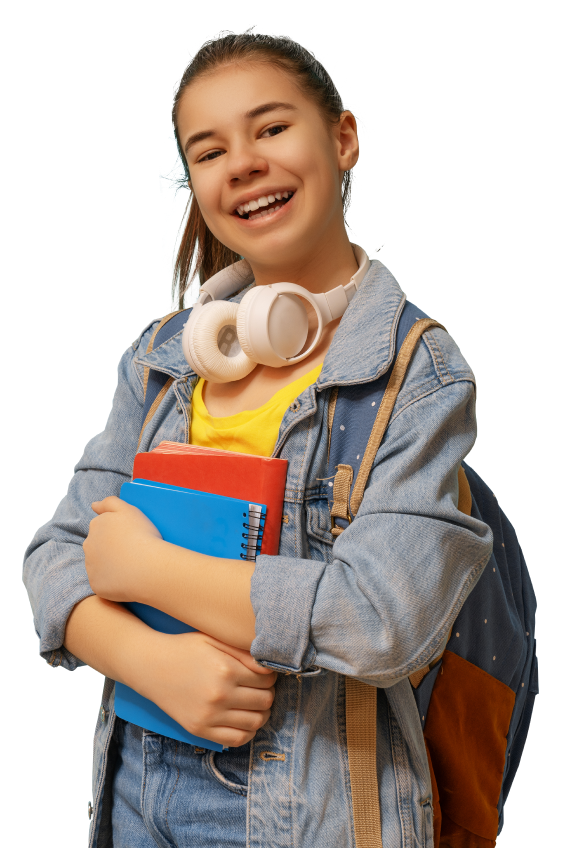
x: 142, y: 660
x: 147, y: 578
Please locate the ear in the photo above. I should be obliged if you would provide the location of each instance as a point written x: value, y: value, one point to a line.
x: 348, y: 141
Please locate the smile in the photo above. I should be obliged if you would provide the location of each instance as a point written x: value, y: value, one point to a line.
x: 266, y: 217
x: 263, y: 206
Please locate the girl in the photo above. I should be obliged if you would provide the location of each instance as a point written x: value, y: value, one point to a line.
x: 268, y: 150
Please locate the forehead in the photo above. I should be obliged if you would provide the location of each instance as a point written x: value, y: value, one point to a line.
x: 225, y: 95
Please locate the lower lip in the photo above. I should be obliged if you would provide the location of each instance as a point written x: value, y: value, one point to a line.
x: 264, y: 220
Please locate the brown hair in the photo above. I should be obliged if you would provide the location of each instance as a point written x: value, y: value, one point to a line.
x: 198, y: 244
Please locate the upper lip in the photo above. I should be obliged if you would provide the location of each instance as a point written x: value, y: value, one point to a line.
x: 256, y: 193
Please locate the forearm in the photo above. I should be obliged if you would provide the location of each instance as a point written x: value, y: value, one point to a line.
x: 209, y: 593
x: 109, y: 638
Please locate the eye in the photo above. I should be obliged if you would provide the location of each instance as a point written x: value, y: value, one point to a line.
x: 269, y: 129
x: 276, y: 130
x: 209, y: 156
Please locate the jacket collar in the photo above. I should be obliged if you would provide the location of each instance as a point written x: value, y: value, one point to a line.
x: 361, y: 350
x: 363, y: 346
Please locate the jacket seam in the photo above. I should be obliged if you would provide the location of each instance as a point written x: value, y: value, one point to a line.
x: 137, y: 370
x: 435, y: 349
x: 300, y: 478
x: 429, y: 392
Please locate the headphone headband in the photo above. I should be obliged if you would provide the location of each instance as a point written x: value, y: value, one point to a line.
x: 232, y: 279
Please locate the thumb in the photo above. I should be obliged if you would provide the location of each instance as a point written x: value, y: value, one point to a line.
x: 109, y: 504
x: 240, y: 654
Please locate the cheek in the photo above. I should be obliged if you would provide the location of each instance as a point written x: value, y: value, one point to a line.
x: 314, y: 165
x: 207, y: 189
x: 206, y: 196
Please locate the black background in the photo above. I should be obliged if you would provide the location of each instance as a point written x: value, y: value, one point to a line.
x: 436, y: 185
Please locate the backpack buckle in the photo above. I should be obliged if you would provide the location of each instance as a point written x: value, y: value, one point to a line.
x: 341, y: 491
x: 335, y: 528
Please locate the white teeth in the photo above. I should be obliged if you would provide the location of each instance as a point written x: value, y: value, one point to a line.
x: 265, y: 213
x: 253, y: 205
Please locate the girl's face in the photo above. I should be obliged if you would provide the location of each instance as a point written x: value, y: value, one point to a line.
x: 254, y: 145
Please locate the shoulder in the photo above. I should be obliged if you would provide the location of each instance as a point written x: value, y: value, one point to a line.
x: 437, y: 353
x: 129, y: 369
x: 142, y: 341
x: 449, y: 364
x: 159, y: 332
x: 437, y: 365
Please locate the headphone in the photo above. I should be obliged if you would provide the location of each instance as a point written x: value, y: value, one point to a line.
x: 224, y: 341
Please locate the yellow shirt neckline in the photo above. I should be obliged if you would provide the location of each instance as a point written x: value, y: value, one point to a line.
x: 291, y: 390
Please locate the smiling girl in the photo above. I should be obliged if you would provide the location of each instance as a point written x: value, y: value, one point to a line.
x: 267, y: 148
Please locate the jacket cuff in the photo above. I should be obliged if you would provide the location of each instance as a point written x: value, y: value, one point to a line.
x: 283, y: 590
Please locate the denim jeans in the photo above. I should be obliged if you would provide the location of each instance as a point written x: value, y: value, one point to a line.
x: 173, y: 795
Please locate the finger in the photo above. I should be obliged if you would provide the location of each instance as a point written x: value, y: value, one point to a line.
x: 109, y: 504
x: 246, y: 698
x: 247, y: 720
x: 243, y: 656
x: 246, y: 678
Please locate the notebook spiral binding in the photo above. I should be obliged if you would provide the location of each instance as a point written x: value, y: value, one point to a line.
x: 254, y: 536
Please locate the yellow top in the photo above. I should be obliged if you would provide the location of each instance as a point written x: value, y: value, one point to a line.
x: 251, y: 431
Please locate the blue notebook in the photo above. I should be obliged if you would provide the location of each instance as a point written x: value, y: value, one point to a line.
x: 206, y: 523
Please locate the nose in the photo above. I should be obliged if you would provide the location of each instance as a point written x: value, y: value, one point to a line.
x: 245, y: 162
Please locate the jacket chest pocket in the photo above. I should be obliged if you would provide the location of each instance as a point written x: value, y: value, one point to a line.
x: 318, y: 529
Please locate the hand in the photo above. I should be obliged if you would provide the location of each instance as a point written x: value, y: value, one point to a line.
x: 121, y: 545
x: 213, y: 690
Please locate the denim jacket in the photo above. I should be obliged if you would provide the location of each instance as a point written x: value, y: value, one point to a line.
x: 377, y: 604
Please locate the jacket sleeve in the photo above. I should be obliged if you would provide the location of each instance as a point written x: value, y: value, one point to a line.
x: 54, y: 572
x: 401, y: 571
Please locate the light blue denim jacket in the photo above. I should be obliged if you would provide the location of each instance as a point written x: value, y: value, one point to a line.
x: 377, y: 604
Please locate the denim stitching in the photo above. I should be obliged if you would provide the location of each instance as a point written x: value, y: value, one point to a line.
x: 435, y: 351
x: 440, y: 351
x: 429, y: 392
x: 172, y: 792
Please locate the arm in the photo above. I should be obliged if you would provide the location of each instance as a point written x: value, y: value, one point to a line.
x: 127, y: 560
x: 103, y: 633
x: 213, y: 594
x: 401, y: 571
x: 222, y: 694
x: 54, y: 572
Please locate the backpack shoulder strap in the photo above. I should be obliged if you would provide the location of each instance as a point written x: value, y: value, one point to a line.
x: 348, y: 486
x: 155, y: 383
x: 361, y: 698
x: 387, y: 404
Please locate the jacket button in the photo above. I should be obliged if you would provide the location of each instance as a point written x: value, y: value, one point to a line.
x: 295, y: 406
x: 90, y: 810
x: 103, y: 713
x: 179, y: 408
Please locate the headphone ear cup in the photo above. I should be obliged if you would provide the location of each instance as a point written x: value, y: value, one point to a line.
x: 272, y: 325
x: 201, y: 343
x: 242, y: 321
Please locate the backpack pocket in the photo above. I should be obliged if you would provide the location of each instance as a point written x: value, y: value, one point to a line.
x: 466, y: 730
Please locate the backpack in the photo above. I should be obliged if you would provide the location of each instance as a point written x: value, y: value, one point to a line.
x: 476, y: 700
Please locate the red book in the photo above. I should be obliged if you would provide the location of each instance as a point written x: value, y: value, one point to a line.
x: 251, y: 478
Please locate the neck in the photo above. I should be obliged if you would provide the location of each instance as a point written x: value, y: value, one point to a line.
x: 316, y: 271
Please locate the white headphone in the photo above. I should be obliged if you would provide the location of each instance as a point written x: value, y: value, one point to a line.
x: 224, y: 341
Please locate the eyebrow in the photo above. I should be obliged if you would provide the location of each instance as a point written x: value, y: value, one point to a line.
x: 273, y: 106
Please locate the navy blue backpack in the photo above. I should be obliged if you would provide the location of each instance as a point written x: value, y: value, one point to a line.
x: 476, y: 702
